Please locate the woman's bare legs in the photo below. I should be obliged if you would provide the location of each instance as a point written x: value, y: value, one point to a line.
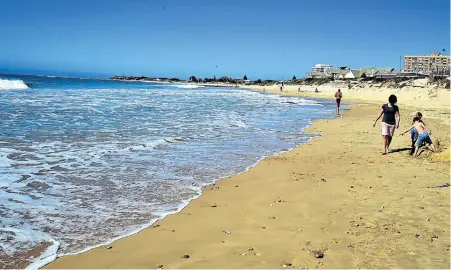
x: 389, y: 138
x: 384, y: 144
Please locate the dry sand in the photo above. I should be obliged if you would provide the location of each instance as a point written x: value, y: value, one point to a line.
x: 336, y: 194
x: 416, y: 93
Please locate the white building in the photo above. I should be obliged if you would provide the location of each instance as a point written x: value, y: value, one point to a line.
x: 322, y: 68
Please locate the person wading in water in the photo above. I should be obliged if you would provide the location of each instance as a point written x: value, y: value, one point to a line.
x: 338, y: 96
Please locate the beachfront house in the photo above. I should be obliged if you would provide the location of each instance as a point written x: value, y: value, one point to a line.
x: 398, y: 74
x: 344, y: 72
x: 317, y: 75
x: 320, y: 71
x: 354, y: 74
x: 339, y: 73
x: 371, y: 72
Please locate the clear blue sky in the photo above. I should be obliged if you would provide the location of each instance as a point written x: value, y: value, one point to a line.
x: 179, y: 38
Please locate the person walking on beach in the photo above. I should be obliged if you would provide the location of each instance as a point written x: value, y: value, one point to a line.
x: 338, y: 96
x: 414, y: 132
x: 390, y: 121
x: 423, y: 135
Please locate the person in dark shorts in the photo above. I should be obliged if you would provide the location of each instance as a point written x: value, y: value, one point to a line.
x: 338, y: 96
x: 390, y: 121
x: 423, y: 134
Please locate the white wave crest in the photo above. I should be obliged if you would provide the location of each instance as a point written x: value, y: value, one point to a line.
x: 188, y: 86
x: 299, y: 101
x: 12, y: 85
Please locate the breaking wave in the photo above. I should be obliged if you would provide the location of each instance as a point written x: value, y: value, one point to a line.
x: 12, y: 85
x: 188, y: 86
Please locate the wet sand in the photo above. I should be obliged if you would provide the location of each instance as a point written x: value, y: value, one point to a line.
x: 336, y: 194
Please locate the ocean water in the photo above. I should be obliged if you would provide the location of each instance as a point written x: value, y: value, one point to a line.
x: 83, y: 162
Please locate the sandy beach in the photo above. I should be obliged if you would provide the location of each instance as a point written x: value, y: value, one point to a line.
x: 336, y: 194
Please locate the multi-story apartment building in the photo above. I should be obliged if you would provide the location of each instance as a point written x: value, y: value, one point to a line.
x: 429, y: 64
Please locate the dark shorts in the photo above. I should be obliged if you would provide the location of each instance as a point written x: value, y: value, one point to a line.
x: 338, y: 101
x: 423, y: 138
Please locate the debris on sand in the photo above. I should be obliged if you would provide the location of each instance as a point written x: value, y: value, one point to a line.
x: 441, y: 186
x: 318, y: 254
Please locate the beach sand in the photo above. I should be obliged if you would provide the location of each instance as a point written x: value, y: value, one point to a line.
x: 417, y: 93
x: 336, y: 194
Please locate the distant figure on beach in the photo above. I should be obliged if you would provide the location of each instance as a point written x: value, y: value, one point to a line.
x: 390, y: 121
x: 316, y: 90
x: 338, y: 96
x: 414, y: 133
x: 423, y: 135
x: 299, y: 89
x: 281, y: 88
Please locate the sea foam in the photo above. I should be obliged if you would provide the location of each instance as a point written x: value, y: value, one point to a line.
x: 84, y: 163
x: 12, y: 85
x: 188, y: 86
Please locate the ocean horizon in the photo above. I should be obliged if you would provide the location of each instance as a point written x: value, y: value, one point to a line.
x: 85, y: 162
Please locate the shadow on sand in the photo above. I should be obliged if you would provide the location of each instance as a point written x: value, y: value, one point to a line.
x: 400, y: 150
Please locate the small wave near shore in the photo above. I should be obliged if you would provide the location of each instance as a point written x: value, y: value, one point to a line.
x: 12, y: 85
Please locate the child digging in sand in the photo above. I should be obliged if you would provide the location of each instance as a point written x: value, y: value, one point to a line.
x: 414, y: 133
x: 423, y: 134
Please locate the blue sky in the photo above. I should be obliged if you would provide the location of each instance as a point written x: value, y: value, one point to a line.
x: 179, y: 38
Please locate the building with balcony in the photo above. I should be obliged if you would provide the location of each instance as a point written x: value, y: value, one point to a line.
x: 428, y: 64
x: 320, y: 71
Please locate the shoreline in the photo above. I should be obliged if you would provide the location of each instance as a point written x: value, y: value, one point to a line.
x: 128, y: 246
x: 45, y: 263
x: 50, y: 258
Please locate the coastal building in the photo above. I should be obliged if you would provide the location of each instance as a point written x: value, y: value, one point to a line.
x: 339, y: 73
x: 344, y: 72
x: 322, y: 68
x: 436, y: 64
x: 320, y: 71
x: 317, y: 75
x: 354, y: 74
x: 371, y: 72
